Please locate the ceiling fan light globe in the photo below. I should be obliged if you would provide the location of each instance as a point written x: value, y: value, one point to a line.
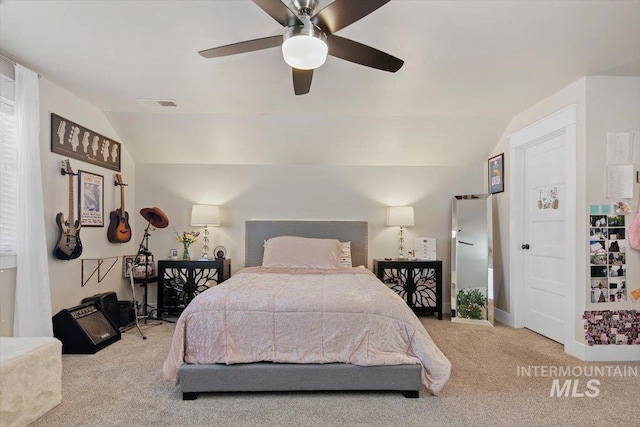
x: 304, y: 52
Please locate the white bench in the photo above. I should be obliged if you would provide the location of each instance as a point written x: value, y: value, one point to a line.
x: 30, y: 378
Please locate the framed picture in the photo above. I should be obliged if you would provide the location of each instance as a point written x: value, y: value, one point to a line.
x: 91, y: 199
x: 131, y: 264
x: 72, y: 140
x: 127, y: 265
x: 496, y: 174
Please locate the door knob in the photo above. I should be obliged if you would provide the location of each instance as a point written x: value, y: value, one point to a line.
x: 525, y: 246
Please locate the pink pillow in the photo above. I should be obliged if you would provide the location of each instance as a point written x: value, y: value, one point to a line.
x: 301, y: 252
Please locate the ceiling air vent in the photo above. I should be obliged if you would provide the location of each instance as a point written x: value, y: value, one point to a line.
x: 157, y: 102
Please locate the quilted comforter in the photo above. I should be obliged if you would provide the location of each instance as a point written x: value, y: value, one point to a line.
x: 304, y: 316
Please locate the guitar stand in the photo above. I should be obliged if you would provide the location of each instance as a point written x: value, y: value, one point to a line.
x: 142, y: 252
x: 135, y: 305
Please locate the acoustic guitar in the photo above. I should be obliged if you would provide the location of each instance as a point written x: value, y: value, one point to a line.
x: 119, y: 230
x: 69, y: 245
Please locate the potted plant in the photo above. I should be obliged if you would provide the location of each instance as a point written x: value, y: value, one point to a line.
x: 470, y: 303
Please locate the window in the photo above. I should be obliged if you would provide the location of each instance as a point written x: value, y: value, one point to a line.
x: 8, y: 159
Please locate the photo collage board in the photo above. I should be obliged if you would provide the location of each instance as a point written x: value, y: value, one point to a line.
x: 607, y: 258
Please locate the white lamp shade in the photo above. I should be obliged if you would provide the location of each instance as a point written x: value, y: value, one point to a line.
x: 400, y: 216
x: 202, y: 215
x: 304, y: 52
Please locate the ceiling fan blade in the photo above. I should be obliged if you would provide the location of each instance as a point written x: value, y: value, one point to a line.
x: 279, y: 11
x: 302, y: 81
x: 359, y: 53
x: 242, y: 47
x: 341, y: 13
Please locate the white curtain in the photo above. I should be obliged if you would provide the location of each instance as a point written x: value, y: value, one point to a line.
x: 32, y: 316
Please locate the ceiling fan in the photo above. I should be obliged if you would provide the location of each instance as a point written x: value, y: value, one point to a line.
x: 310, y: 36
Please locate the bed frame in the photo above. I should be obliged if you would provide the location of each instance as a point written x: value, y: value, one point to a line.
x: 267, y: 376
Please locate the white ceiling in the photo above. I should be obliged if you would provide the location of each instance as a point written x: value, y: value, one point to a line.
x: 470, y: 66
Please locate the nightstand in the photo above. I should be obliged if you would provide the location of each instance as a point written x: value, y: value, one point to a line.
x: 419, y: 283
x: 180, y: 281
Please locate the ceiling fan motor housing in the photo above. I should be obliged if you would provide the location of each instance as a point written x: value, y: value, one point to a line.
x: 304, y: 7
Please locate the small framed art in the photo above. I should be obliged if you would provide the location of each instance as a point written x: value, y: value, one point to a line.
x: 127, y: 264
x: 131, y: 263
x: 496, y: 174
x: 91, y: 199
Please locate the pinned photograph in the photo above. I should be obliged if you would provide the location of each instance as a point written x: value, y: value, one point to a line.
x: 599, y: 295
x: 598, y: 220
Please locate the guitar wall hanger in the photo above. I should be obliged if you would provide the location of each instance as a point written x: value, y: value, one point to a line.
x: 116, y: 183
x: 64, y: 172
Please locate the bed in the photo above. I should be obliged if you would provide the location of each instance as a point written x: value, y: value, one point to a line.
x: 303, y: 321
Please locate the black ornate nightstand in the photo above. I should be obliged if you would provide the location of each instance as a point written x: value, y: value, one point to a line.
x: 419, y: 283
x: 180, y: 281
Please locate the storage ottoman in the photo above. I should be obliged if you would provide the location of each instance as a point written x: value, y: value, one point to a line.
x: 30, y: 378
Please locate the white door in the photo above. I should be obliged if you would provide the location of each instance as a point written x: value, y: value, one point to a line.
x: 544, y: 238
x: 542, y: 202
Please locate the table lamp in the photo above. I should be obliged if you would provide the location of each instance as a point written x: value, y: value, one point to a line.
x: 400, y: 216
x: 205, y: 215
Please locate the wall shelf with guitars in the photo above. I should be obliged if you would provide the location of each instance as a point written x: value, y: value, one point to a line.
x: 119, y: 230
x: 69, y: 245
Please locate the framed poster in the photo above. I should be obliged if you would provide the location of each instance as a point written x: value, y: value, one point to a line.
x: 72, y: 140
x: 91, y: 199
x: 496, y: 174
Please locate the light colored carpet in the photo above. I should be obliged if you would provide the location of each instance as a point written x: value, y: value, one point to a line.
x: 122, y: 385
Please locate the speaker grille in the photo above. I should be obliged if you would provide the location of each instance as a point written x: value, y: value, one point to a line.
x: 108, y: 303
x: 96, y: 326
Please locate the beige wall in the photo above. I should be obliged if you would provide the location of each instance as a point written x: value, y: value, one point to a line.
x: 316, y: 192
x: 613, y: 105
x: 604, y: 104
x: 243, y: 191
x: 65, y: 276
x: 304, y: 192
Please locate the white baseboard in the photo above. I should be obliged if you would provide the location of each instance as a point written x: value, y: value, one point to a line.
x: 502, y: 317
x: 606, y: 353
x: 471, y: 321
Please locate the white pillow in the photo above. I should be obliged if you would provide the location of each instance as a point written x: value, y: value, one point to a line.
x: 301, y: 252
x: 345, y: 254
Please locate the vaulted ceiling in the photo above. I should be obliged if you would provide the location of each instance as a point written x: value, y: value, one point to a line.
x: 470, y: 66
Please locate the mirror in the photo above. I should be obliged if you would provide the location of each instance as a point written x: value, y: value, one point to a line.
x: 471, y: 260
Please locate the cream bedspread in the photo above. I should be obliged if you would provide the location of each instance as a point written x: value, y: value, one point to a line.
x: 304, y: 316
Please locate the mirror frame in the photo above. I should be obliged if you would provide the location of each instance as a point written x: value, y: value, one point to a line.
x: 489, y: 315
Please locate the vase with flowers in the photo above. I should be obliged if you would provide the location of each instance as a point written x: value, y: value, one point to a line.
x: 186, y: 238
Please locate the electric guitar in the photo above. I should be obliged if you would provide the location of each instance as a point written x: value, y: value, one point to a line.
x: 119, y: 230
x: 69, y: 245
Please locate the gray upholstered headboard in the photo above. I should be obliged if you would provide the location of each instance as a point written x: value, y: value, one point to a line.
x: 258, y: 231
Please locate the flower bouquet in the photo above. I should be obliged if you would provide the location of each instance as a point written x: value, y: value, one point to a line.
x: 186, y: 238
